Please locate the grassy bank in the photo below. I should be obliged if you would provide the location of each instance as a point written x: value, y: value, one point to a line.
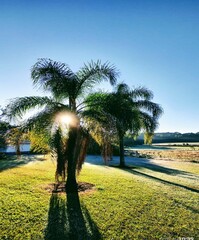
x: 132, y: 203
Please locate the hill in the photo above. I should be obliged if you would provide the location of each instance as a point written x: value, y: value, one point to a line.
x: 165, y: 137
x: 176, y: 137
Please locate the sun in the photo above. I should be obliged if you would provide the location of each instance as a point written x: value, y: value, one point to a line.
x: 66, y: 119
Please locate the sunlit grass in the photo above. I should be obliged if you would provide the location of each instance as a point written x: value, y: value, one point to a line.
x: 126, y: 204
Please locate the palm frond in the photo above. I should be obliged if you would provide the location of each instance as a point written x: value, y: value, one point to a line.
x: 95, y: 72
x: 58, y: 145
x: 82, y: 148
x: 53, y: 76
x: 105, y: 136
x: 41, y: 120
x: 151, y: 107
x: 93, y: 101
x: 18, y: 106
x: 148, y: 137
x: 122, y: 88
x: 148, y: 122
x: 141, y: 93
x: 45, y: 118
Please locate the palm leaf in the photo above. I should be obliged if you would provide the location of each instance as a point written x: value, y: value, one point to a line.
x: 45, y: 118
x: 95, y: 72
x: 18, y: 106
x: 151, y: 107
x: 148, y: 122
x: 53, y: 76
x: 141, y: 93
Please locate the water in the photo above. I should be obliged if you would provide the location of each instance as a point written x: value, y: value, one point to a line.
x: 23, y: 147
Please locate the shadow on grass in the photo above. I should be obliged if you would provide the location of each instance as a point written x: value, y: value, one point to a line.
x: 133, y: 171
x: 12, y: 161
x: 140, y: 163
x: 194, y: 210
x: 149, y: 147
x: 148, y: 164
x: 69, y: 220
x: 157, y: 168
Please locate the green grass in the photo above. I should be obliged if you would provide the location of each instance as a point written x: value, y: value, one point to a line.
x: 135, y: 203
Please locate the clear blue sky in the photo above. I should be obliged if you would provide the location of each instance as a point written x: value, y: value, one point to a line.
x: 153, y: 43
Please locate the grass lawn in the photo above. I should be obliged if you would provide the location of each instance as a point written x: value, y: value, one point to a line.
x: 135, y: 203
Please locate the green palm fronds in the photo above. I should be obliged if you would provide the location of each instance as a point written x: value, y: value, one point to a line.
x: 19, y: 106
x: 62, y: 82
x: 104, y: 116
x: 94, y: 72
x: 59, y: 146
x: 121, y: 111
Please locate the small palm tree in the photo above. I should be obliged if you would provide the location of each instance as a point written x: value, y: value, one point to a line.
x: 66, y: 88
x: 121, y: 111
x: 15, y: 137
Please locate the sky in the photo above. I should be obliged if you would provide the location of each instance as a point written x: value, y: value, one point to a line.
x: 152, y: 43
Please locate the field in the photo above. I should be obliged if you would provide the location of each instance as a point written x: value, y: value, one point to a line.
x: 171, y: 151
x: 157, y: 200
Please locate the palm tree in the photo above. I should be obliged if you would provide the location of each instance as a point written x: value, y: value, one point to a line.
x: 66, y: 88
x: 121, y: 111
x: 14, y: 137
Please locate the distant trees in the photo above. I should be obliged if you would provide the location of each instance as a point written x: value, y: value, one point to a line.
x: 166, y: 137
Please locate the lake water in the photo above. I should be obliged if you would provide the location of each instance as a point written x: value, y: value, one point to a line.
x: 23, y: 147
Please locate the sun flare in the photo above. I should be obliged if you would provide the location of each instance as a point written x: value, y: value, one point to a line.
x: 66, y: 119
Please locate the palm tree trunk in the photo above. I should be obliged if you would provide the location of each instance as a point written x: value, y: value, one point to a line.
x: 71, y: 183
x: 121, y: 141
x: 72, y: 104
x: 18, y: 151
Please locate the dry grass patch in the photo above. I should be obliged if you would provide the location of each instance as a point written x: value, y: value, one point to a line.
x: 184, y: 155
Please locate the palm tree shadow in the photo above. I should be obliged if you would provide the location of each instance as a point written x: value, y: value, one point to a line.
x: 147, y: 164
x: 69, y: 220
x: 135, y: 172
x: 11, y: 161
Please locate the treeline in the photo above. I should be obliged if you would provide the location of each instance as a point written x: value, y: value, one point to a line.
x: 168, y: 137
